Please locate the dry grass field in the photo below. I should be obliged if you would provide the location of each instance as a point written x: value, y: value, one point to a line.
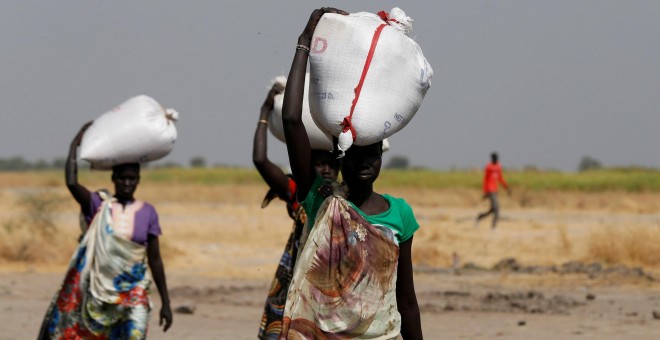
x: 221, y: 249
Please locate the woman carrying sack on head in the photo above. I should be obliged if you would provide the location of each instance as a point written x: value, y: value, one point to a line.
x: 105, y: 293
x: 354, y: 276
x: 284, y: 187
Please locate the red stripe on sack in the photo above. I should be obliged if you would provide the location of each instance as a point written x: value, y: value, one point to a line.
x: 374, y: 41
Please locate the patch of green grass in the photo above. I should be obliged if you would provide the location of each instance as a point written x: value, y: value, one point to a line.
x: 429, y: 179
x: 207, y: 176
x: 589, y: 181
x: 627, y: 179
x: 638, y: 180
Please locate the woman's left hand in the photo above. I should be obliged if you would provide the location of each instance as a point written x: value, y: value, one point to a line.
x: 325, y: 190
x: 79, y: 136
x: 165, y: 317
x: 306, y: 37
x: 269, y: 103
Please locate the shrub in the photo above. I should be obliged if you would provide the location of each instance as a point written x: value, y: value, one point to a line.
x: 588, y: 163
x: 639, y: 245
x: 398, y: 162
x: 32, y: 236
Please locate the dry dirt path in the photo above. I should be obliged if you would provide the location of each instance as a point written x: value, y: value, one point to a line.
x: 475, y: 305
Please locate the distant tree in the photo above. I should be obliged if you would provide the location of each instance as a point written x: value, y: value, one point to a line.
x: 198, y: 162
x: 16, y: 163
x: 167, y: 165
x: 40, y: 165
x: 58, y: 163
x: 398, y: 162
x: 589, y: 163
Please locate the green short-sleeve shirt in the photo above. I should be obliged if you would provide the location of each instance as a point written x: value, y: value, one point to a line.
x: 399, y: 216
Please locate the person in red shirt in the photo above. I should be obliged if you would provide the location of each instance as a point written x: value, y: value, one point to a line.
x: 493, y: 177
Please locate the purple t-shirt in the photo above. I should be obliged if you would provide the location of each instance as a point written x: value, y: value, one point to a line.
x: 135, y: 221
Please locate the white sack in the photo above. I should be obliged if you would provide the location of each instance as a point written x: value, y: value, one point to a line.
x: 139, y: 130
x: 386, y: 145
x: 395, y: 83
x: 317, y: 138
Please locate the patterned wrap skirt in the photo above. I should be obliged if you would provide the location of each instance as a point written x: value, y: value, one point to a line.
x: 105, y: 293
x: 271, y: 320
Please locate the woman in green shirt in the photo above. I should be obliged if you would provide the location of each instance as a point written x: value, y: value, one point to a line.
x: 354, y: 276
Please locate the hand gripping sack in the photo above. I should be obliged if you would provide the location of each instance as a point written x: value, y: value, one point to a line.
x: 137, y: 131
x: 318, y: 139
x: 368, y: 78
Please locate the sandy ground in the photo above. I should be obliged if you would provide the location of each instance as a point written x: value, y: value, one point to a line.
x: 468, y: 306
x: 220, y: 252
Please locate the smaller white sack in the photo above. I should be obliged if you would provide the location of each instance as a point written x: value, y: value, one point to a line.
x: 137, y: 131
x: 386, y: 145
x: 318, y: 140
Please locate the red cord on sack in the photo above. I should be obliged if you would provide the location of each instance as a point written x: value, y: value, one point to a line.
x: 386, y: 17
x: 346, y: 123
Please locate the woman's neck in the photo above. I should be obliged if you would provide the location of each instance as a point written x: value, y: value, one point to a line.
x: 367, y: 200
x: 124, y: 200
x: 360, y: 194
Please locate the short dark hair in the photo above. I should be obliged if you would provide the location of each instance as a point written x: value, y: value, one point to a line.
x: 121, y: 167
x: 330, y: 156
x: 380, y: 147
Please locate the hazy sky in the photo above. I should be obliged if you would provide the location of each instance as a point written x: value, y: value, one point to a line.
x: 542, y: 82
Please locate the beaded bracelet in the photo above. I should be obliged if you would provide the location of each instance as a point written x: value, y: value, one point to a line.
x: 302, y: 48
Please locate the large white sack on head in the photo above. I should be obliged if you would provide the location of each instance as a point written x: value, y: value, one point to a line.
x: 317, y: 138
x: 139, y: 130
x: 394, y: 83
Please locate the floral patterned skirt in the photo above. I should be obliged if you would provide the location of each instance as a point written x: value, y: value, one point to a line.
x: 271, y: 320
x: 105, y: 293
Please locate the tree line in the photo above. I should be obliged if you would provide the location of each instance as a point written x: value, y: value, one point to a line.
x: 18, y: 163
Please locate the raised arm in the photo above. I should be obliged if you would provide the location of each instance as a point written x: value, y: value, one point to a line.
x: 297, y: 142
x: 79, y: 192
x: 406, y: 299
x: 271, y: 173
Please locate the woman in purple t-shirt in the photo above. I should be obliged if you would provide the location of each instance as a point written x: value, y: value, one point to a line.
x: 105, y: 292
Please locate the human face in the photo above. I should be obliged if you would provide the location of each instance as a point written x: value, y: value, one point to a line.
x: 325, y: 164
x: 361, y: 164
x: 126, y: 180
